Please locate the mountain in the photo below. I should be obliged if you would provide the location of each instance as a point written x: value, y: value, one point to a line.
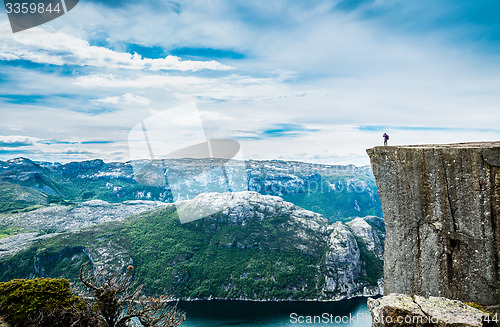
x: 259, y: 247
x: 336, y: 192
x: 298, y: 237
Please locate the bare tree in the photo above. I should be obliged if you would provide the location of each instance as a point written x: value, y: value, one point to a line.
x: 117, y: 304
x: 159, y: 313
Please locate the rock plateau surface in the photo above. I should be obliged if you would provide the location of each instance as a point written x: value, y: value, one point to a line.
x: 404, y: 310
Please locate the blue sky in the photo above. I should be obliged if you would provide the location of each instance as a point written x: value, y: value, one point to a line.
x: 312, y: 80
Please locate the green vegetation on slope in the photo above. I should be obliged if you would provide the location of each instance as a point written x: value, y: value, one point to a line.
x: 6, y: 231
x: 24, y: 302
x: 15, y: 198
x: 208, y: 258
x: 42, y: 260
x: 336, y: 200
x: 374, y: 267
x: 84, y: 189
x: 196, y: 260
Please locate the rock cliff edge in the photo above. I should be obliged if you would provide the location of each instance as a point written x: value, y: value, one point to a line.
x: 441, y: 205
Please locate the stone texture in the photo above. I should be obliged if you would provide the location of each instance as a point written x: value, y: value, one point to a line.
x: 60, y: 218
x: 308, y: 232
x: 441, y: 207
x: 404, y: 310
x: 342, y: 261
x: 30, y: 182
x: 341, y: 265
x: 49, y: 221
x: 362, y: 229
x: 9, y: 246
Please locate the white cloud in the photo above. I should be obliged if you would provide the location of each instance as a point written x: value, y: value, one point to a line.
x: 109, y: 100
x: 12, y: 127
x: 127, y: 98
x: 301, y: 65
x: 214, y: 116
x: 58, y: 48
x: 140, y: 82
x: 236, y: 88
x: 9, y: 141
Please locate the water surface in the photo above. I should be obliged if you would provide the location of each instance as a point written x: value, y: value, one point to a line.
x: 276, y: 314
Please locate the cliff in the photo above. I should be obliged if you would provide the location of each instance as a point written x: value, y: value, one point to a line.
x: 441, y: 206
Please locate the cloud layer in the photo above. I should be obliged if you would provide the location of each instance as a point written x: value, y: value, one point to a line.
x: 58, y: 48
x: 301, y: 80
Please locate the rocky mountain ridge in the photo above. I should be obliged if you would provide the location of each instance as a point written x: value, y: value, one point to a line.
x: 39, y: 224
x: 274, y: 241
x: 219, y: 256
x: 337, y: 192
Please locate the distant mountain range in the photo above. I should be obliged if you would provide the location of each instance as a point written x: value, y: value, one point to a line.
x: 337, y: 192
x: 299, y: 238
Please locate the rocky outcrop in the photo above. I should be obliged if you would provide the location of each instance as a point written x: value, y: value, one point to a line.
x: 371, y: 231
x: 59, y: 218
x: 345, y: 274
x: 108, y: 256
x: 44, y: 222
x: 342, y: 260
x: 404, y: 310
x: 338, y: 255
x: 346, y: 268
x: 16, y: 243
x: 441, y: 207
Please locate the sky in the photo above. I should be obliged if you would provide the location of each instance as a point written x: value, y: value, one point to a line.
x: 307, y: 80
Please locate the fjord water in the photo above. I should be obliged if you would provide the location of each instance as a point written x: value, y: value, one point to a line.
x: 354, y: 312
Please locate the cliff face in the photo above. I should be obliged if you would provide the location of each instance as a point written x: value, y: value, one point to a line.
x: 441, y: 205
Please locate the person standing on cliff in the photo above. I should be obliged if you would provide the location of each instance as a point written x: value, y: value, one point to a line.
x: 386, y: 138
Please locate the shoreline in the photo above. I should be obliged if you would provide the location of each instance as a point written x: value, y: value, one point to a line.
x: 214, y: 299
